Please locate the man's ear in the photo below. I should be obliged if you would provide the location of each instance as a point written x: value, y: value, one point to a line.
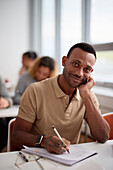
x: 64, y: 60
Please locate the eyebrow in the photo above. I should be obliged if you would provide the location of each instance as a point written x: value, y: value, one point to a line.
x: 77, y: 61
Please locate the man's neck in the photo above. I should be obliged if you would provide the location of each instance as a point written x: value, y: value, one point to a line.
x: 65, y: 87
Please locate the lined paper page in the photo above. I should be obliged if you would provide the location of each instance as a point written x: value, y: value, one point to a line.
x: 77, y: 154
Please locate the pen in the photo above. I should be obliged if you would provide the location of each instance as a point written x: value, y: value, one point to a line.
x: 59, y: 136
x: 23, y: 157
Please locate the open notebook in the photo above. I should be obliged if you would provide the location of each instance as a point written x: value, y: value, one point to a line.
x: 76, y: 155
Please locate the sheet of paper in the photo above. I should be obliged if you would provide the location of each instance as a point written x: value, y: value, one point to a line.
x: 77, y: 154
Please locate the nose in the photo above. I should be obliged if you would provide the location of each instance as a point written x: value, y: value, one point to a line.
x: 80, y: 72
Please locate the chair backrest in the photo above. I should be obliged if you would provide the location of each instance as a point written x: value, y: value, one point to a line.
x: 10, y: 128
x: 109, y: 118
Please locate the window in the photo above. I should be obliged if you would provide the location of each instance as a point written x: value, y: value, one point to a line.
x: 104, y: 68
x: 66, y: 22
x: 70, y: 24
x: 101, y: 32
x: 48, y: 28
x: 101, y: 21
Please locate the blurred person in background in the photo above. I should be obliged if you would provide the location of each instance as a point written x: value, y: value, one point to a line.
x: 42, y: 68
x: 5, y: 102
x: 5, y: 99
x: 27, y: 60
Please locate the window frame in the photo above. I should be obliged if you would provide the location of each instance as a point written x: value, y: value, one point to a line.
x: 35, y: 11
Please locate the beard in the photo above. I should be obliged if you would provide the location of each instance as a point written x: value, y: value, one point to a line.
x: 69, y: 77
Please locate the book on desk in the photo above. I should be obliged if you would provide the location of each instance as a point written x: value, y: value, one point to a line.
x: 76, y: 155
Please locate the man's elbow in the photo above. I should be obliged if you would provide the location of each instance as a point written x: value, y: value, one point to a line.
x: 102, y: 140
x: 104, y: 136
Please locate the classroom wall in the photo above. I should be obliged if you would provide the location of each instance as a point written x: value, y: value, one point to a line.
x: 14, y: 36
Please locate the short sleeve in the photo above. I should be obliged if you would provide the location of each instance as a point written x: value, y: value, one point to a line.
x: 28, y: 105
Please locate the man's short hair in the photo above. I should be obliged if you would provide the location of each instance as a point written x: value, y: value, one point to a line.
x: 84, y: 46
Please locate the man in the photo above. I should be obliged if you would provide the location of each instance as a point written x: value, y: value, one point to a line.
x: 63, y: 101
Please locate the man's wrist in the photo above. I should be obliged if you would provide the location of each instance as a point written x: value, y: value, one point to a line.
x: 43, y: 141
x: 39, y: 140
x: 85, y: 94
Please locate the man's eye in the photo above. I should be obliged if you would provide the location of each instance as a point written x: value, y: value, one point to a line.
x: 75, y: 64
x: 87, y: 70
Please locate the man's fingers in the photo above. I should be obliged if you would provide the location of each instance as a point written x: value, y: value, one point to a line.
x: 54, y: 145
x: 57, y: 150
x: 67, y: 143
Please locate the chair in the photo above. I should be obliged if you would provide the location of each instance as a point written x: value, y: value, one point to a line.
x: 109, y: 118
x: 10, y: 128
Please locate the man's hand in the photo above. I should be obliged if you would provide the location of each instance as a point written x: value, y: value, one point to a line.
x: 54, y: 145
x: 4, y: 103
x: 84, y: 89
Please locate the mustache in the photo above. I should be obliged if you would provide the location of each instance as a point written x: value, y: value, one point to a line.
x: 76, y: 76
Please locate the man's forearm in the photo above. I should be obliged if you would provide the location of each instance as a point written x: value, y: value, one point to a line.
x: 98, y: 126
x: 51, y: 143
x: 23, y: 138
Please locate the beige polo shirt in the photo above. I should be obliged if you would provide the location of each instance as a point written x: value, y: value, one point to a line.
x: 44, y: 104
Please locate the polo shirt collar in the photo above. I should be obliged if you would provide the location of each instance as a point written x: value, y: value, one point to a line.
x: 59, y: 93
x: 77, y: 95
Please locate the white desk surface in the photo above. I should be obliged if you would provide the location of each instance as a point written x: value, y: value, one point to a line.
x: 102, y: 161
x: 9, y: 112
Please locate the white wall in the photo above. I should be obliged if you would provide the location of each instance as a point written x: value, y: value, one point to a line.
x: 14, y: 36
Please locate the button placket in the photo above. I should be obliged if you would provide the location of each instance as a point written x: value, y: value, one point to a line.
x: 68, y: 111
x: 66, y: 101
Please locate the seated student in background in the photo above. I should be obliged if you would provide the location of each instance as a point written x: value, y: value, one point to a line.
x: 5, y: 102
x: 41, y: 69
x: 63, y: 101
x: 5, y: 99
x: 27, y: 60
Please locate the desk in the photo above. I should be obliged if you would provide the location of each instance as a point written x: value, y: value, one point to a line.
x: 9, y: 112
x: 102, y: 161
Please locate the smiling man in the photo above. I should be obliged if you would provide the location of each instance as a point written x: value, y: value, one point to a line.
x: 63, y: 101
